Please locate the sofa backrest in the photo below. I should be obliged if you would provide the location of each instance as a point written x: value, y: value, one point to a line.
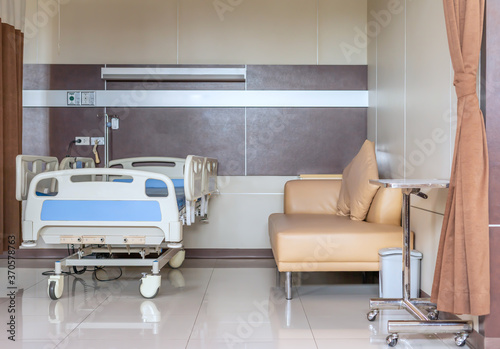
x: 312, y: 196
x: 321, y: 197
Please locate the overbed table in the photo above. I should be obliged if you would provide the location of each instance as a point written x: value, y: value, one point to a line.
x: 425, y: 322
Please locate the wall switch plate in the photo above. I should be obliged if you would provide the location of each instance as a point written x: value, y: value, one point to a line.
x: 100, y: 140
x: 82, y: 140
x: 74, y: 97
x: 88, y: 98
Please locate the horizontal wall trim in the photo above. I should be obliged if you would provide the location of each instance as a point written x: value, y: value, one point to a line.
x: 203, y: 99
x: 229, y: 253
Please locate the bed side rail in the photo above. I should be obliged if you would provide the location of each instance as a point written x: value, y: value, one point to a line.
x: 193, y: 177
x: 210, y: 169
x: 169, y: 166
x: 27, y: 167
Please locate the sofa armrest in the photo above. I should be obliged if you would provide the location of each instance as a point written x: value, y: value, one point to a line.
x: 312, y: 196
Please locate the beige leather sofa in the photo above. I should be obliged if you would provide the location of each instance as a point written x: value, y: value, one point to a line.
x: 310, y: 236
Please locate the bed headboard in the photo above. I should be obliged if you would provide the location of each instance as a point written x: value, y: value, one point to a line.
x: 171, y: 167
x: 27, y: 167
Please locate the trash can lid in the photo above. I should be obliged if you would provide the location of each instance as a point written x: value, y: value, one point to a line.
x: 391, y: 251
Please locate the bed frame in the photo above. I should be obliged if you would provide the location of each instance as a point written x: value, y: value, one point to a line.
x: 110, y: 211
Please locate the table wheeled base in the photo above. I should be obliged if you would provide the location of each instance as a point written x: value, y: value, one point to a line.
x: 425, y: 322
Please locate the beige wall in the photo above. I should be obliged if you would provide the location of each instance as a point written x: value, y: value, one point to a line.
x: 238, y: 216
x: 194, y: 31
x: 412, y: 98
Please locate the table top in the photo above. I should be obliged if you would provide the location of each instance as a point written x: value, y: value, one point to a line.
x: 411, y: 183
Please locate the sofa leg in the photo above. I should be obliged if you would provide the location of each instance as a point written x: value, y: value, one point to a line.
x: 288, y: 285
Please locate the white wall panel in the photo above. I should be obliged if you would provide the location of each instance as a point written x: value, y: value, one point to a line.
x: 192, y: 31
x: 342, y: 25
x: 415, y: 108
x: 256, y: 32
x: 102, y: 31
x: 391, y: 94
x: 238, y: 216
x: 428, y: 106
x: 426, y: 226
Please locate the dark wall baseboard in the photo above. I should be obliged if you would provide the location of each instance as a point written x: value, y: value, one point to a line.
x: 223, y: 253
x: 191, y: 253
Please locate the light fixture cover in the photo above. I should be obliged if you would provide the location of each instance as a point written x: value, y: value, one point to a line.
x: 174, y: 74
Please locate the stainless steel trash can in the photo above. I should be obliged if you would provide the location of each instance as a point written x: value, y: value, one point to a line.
x: 390, y: 274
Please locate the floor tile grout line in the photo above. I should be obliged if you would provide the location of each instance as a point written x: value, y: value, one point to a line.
x: 85, y: 318
x: 201, y: 305
x: 36, y: 283
x: 307, y: 318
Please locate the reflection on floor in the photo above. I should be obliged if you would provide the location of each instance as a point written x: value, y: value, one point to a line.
x: 204, y: 304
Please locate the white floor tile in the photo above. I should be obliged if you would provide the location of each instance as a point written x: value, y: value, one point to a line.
x: 220, y: 304
x: 120, y: 327
x: 128, y: 343
x: 230, y: 343
x: 24, y: 278
x: 379, y: 343
x: 33, y: 344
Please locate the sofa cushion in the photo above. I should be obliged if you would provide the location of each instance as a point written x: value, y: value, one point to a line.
x: 386, y: 207
x: 312, y: 196
x: 307, y: 241
x: 356, y: 193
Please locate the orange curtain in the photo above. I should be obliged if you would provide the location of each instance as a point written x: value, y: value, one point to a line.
x: 11, y: 77
x: 462, y: 275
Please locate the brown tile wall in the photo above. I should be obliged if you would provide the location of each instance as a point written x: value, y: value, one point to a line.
x: 293, y: 141
x: 63, y: 77
x: 307, y: 77
x: 179, y: 132
x: 279, y: 141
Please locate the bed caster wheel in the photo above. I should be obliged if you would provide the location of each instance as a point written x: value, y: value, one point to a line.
x: 150, y: 286
x: 55, y: 287
x: 177, y: 260
x: 461, y: 339
x: 392, y: 340
x: 433, y: 315
x: 372, y: 315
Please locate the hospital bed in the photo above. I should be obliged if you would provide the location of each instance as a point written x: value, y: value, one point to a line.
x: 112, y: 211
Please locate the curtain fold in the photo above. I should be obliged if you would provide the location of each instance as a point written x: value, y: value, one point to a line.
x: 462, y: 275
x: 12, y: 13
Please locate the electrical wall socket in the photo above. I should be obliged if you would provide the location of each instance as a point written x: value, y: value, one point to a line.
x: 100, y: 140
x: 82, y: 140
x: 88, y: 98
